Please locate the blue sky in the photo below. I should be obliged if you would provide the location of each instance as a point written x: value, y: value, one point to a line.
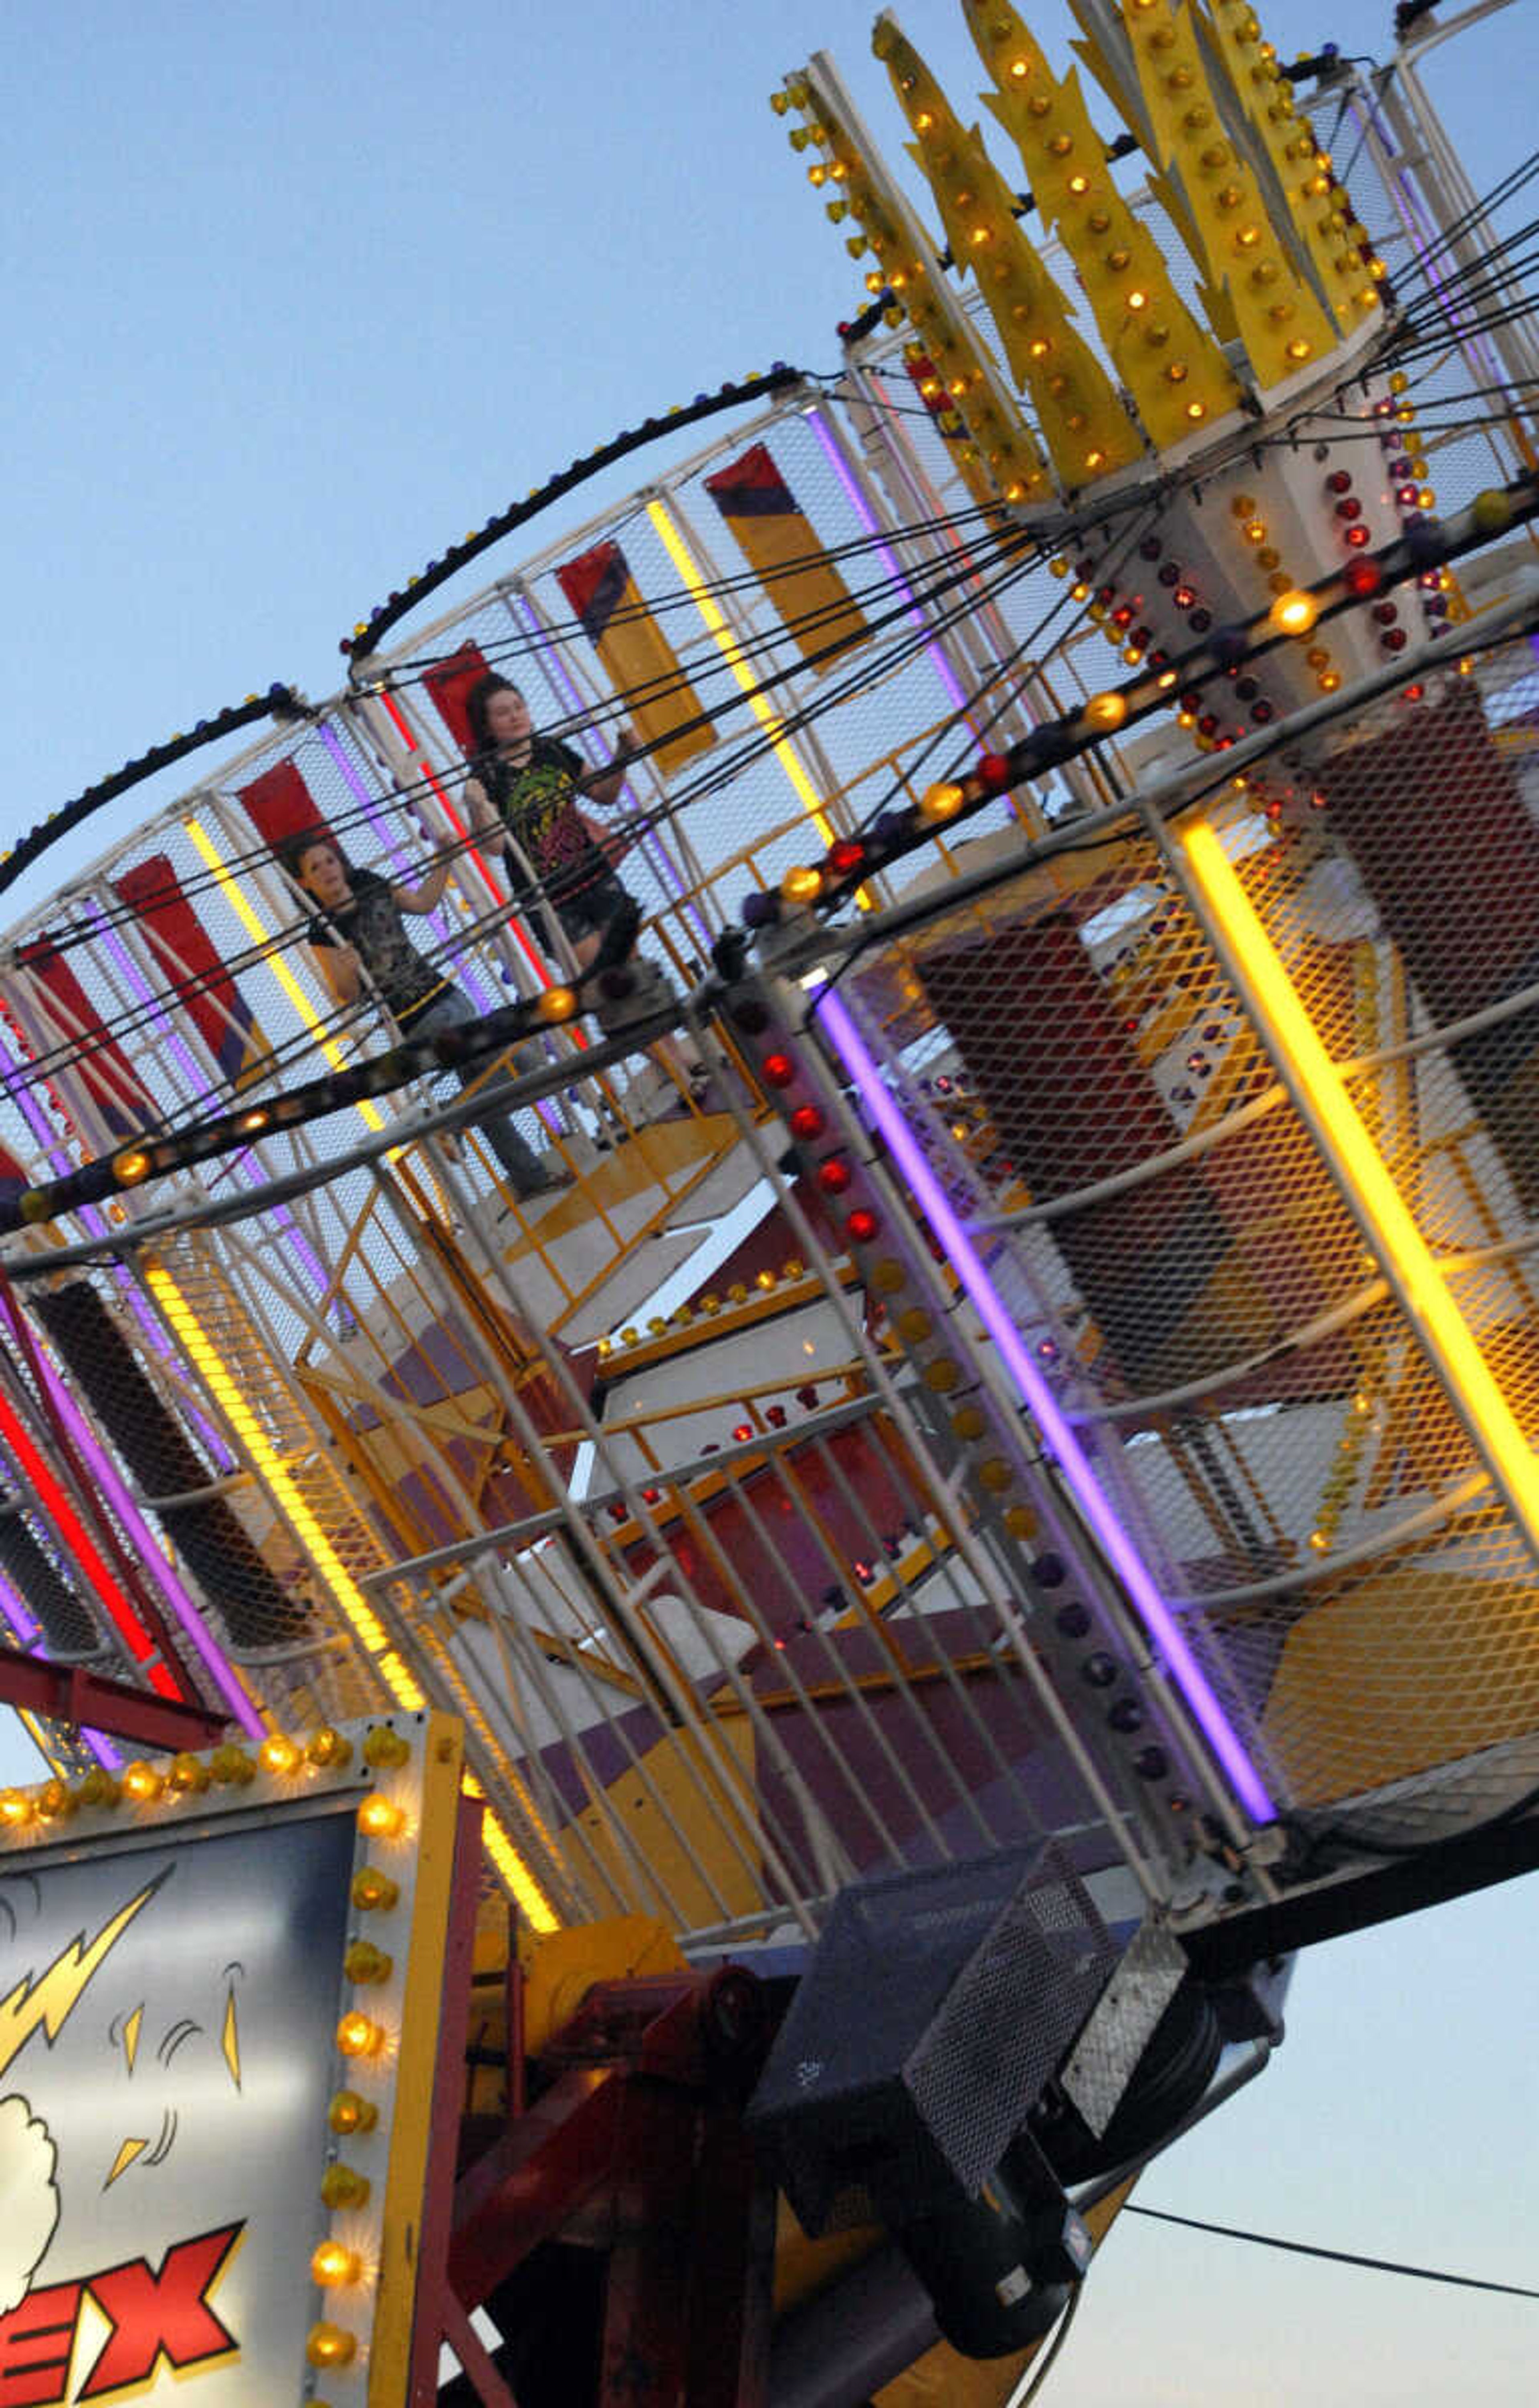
x: 292, y: 297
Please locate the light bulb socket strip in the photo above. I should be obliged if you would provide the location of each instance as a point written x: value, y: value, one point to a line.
x: 1155, y: 1773
x: 414, y: 1058
x: 1425, y: 544
x: 369, y: 634
x: 279, y: 702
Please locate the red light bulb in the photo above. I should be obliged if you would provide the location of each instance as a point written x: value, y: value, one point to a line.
x: 807, y: 1122
x: 1356, y: 536
x: 861, y: 1227
x: 845, y: 855
x: 777, y: 1069
x: 833, y: 1176
x: 1361, y: 577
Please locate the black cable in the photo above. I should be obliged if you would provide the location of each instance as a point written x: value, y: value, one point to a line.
x: 1336, y: 2256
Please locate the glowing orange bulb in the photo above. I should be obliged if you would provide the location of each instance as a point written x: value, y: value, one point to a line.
x: 942, y: 802
x: 277, y: 1754
x: 379, y: 1817
x: 1294, y: 613
x: 331, y: 2264
x: 358, y: 2035
x: 141, y: 1783
x: 557, y: 1004
x: 1106, y: 711
x: 16, y: 1809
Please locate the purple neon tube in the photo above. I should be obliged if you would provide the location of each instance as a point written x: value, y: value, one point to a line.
x: 136, y: 1531
x: 1043, y: 1407
x: 651, y: 844
x: 884, y: 552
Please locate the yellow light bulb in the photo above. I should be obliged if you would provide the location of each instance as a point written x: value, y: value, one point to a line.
x: 16, y: 1809
x: 330, y: 2346
x: 349, y: 2113
x: 380, y: 1818
x: 373, y: 1891
x: 358, y: 2035
x: 97, y: 1788
x: 232, y: 1764
x: 141, y: 1783
x: 557, y: 1003
x: 384, y: 1748
x: 341, y: 2186
x: 130, y: 1167
x: 364, y: 1963
x: 942, y: 802
x: 279, y: 1754
x: 331, y: 2265
x: 330, y: 1749
x: 188, y: 1772
x: 1106, y: 711
x: 801, y: 885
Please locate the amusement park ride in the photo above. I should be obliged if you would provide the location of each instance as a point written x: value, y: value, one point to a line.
x: 774, y: 1712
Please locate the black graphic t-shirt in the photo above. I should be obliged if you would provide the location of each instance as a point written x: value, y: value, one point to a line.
x: 371, y: 923
x: 535, y: 802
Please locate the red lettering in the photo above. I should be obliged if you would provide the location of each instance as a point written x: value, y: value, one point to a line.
x: 159, y: 2316
x: 36, y: 2339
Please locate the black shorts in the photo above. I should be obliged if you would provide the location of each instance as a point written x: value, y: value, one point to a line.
x: 590, y: 911
x: 586, y: 914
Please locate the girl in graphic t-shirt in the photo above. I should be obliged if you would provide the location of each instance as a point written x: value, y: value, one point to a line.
x: 523, y: 788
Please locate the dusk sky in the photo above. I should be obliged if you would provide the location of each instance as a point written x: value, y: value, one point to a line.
x: 297, y: 294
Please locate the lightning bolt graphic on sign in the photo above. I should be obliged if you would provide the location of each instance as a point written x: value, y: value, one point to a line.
x: 50, y: 2000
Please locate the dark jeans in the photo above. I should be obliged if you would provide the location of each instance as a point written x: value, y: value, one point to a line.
x: 519, y: 1163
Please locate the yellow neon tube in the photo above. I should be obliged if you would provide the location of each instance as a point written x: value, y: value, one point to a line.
x: 369, y: 1631
x: 1256, y: 969
x: 235, y: 896
x: 230, y: 1397
x: 731, y: 652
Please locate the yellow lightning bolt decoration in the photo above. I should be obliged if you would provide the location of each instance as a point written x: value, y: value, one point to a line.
x: 51, y: 2001
x: 131, y: 2036
x: 231, y: 2041
x: 125, y: 2159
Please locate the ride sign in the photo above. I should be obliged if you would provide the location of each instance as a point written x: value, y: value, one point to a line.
x: 211, y: 1976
